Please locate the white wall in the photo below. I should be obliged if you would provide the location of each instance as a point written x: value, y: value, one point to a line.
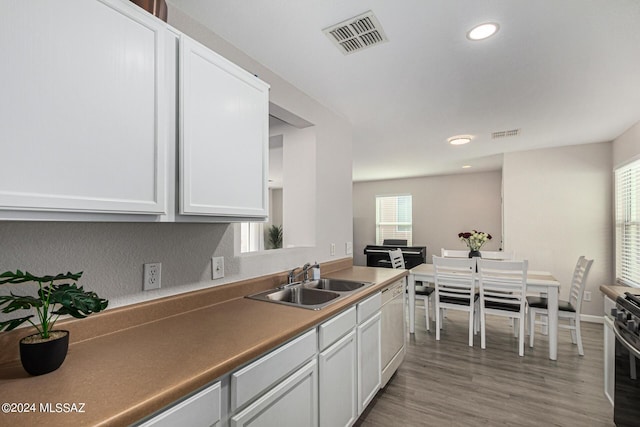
x: 626, y: 147
x: 299, y: 182
x: 112, y: 255
x: 558, y: 206
x: 443, y: 206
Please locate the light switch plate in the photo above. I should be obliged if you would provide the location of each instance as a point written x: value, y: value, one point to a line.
x: 332, y: 249
x: 217, y: 267
x: 348, y: 248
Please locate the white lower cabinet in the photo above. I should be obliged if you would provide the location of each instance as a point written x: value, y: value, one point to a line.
x: 292, y: 403
x: 369, y: 369
x: 254, y: 379
x: 338, y: 370
x: 280, y: 388
x: 609, y: 351
x: 338, y: 383
x: 200, y: 410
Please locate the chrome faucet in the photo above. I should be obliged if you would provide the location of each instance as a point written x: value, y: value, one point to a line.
x: 306, y: 268
x: 292, y: 276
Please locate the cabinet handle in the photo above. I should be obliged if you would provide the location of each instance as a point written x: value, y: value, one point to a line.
x: 632, y: 350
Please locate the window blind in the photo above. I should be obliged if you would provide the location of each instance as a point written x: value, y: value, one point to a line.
x: 627, y: 218
x: 394, y: 218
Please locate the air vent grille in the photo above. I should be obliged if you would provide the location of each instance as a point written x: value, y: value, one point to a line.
x: 356, y: 33
x: 505, y: 133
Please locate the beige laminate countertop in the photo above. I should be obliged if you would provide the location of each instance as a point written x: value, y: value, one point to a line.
x: 124, y: 376
x: 614, y: 291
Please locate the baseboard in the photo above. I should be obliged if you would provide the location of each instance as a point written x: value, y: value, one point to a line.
x: 591, y: 318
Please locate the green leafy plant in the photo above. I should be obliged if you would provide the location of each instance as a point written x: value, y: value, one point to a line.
x: 275, y: 236
x: 53, y: 300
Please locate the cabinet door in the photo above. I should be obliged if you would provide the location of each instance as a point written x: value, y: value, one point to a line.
x: 82, y: 108
x: 223, y: 136
x: 292, y: 403
x: 369, y: 371
x: 338, y: 378
x: 199, y: 410
x: 609, y: 350
x: 259, y: 376
x: 609, y: 359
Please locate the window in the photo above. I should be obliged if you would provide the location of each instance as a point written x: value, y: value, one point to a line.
x: 251, y: 237
x: 627, y: 195
x: 393, y: 218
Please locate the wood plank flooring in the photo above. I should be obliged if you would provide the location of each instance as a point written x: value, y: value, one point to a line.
x: 448, y: 383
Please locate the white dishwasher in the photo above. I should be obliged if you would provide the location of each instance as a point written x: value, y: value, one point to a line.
x: 393, y: 336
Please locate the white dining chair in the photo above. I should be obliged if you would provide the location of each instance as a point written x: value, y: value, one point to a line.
x: 422, y: 292
x: 397, y: 259
x: 567, y: 310
x: 498, y: 255
x: 453, y: 253
x: 455, y: 289
x: 503, y: 287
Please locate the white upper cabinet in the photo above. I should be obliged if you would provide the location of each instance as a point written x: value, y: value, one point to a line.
x: 223, y: 155
x: 88, y: 127
x: 82, y: 108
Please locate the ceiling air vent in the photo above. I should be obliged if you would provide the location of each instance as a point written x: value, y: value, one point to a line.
x: 357, y: 33
x: 505, y: 133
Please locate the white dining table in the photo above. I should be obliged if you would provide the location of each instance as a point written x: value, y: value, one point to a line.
x: 537, y: 281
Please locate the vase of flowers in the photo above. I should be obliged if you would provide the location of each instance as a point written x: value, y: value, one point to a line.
x: 474, y: 240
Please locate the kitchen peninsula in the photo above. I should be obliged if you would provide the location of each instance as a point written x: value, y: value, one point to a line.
x: 129, y: 362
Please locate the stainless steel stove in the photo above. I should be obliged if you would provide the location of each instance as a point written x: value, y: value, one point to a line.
x: 626, y: 410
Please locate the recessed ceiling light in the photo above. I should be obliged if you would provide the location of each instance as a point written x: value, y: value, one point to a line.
x: 459, y: 139
x: 466, y: 166
x: 483, y: 31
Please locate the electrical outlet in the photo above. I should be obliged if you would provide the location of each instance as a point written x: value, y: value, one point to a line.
x: 587, y: 295
x: 217, y: 267
x: 332, y: 249
x: 348, y: 248
x: 152, y: 276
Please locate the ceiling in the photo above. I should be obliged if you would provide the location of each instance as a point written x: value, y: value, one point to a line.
x: 564, y: 72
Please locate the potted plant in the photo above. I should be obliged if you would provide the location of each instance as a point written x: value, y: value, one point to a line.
x: 275, y: 236
x: 44, y: 351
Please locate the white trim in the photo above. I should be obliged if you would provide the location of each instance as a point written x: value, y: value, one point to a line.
x: 590, y: 318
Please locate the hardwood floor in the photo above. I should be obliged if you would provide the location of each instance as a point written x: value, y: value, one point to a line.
x: 448, y: 383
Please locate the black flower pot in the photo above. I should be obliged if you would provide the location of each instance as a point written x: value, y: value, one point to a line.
x: 473, y: 254
x: 42, y: 357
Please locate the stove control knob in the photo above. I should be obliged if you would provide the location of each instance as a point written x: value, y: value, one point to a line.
x: 631, y: 325
x: 621, y: 316
x: 614, y: 312
x: 629, y: 317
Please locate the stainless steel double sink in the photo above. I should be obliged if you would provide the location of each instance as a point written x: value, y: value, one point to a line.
x: 312, y: 295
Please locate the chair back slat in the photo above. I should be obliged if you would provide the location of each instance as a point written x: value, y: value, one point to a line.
x: 397, y: 259
x: 579, y: 282
x: 503, y: 282
x: 453, y: 253
x: 503, y: 289
x: 498, y: 255
x: 455, y: 278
